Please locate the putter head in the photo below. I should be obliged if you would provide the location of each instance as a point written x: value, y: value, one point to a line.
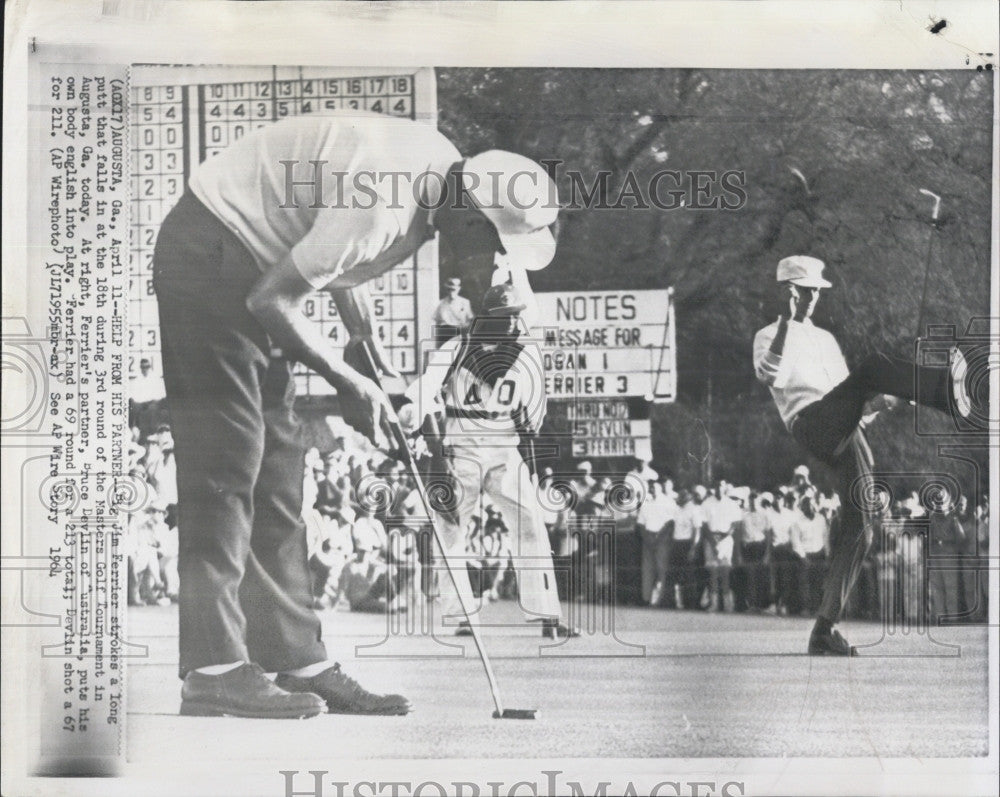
x: 516, y: 714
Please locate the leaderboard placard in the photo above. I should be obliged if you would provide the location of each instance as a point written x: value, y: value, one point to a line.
x: 608, y: 344
x: 608, y: 355
x: 605, y: 427
x: 183, y: 115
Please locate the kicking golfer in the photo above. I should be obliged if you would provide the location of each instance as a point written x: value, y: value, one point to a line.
x: 821, y: 403
x: 492, y: 389
x: 293, y: 207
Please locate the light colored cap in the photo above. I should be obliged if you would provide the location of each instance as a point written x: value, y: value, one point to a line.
x: 585, y: 465
x: 765, y: 496
x: 801, y: 470
x: 699, y: 490
x: 802, y: 270
x: 521, y: 200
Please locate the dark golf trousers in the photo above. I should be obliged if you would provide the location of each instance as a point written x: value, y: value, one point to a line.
x: 829, y: 430
x: 244, y: 575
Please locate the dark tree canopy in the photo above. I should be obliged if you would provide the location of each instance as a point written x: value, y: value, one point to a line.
x: 832, y: 164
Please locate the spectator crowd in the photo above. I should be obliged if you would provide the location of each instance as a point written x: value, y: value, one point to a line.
x: 717, y: 548
x: 733, y: 548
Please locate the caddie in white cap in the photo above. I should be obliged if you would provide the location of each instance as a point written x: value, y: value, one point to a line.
x: 822, y: 403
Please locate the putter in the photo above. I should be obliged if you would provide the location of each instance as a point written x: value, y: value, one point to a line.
x: 410, y: 463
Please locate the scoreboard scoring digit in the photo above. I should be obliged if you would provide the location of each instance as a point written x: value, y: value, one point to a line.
x: 181, y: 116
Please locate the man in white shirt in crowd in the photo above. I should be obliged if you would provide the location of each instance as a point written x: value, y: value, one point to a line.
x: 453, y: 315
x: 723, y: 517
x: 699, y: 576
x: 147, y: 386
x: 688, y: 518
x: 784, y: 562
x: 822, y: 403
x: 810, y: 535
x: 654, y: 522
x: 753, y: 587
x: 316, y: 202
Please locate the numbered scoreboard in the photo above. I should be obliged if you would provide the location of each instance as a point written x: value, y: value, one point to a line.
x: 180, y: 116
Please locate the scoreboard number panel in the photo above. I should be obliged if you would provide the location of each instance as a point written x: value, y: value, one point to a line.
x: 181, y: 116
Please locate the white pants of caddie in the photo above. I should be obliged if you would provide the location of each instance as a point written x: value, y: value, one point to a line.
x: 495, y: 468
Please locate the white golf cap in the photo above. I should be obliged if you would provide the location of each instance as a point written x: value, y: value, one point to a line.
x: 802, y: 270
x: 521, y: 200
x: 765, y: 496
x: 801, y: 470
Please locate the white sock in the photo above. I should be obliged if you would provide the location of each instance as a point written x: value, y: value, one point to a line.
x: 311, y: 669
x: 218, y: 669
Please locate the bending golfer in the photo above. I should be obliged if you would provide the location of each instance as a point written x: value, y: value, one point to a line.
x: 821, y: 403
x: 234, y: 261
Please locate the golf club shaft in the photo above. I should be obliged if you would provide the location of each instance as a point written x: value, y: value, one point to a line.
x: 927, y: 259
x: 411, y: 466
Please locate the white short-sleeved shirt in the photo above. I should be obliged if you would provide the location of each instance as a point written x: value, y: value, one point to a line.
x: 756, y: 525
x: 781, y: 526
x: 688, y: 521
x: 656, y: 513
x: 809, y: 367
x: 809, y: 535
x: 333, y: 191
x: 456, y: 312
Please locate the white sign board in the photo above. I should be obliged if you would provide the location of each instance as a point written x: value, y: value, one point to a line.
x: 608, y: 344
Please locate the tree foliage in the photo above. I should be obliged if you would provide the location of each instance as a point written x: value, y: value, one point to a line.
x: 833, y: 164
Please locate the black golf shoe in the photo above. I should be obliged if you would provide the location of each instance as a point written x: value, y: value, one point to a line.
x: 829, y: 643
x: 244, y: 692
x: 344, y: 695
x: 553, y: 629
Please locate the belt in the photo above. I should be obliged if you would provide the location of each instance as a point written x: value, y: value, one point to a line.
x: 472, y: 415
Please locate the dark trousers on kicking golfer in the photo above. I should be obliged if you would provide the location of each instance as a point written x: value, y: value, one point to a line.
x: 244, y: 575
x: 829, y: 430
